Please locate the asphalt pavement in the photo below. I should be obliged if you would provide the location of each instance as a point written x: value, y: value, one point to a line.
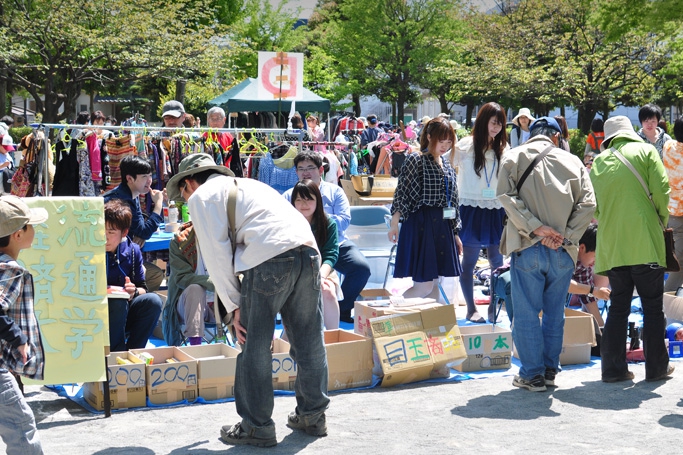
x: 485, y: 415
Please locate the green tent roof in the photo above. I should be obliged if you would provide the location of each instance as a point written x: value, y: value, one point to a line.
x: 244, y: 97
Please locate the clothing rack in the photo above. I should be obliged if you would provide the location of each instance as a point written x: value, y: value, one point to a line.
x: 145, y: 129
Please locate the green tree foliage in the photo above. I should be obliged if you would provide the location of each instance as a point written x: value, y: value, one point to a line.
x: 53, y: 48
x: 261, y: 27
x: 383, y: 47
x: 545, y: 55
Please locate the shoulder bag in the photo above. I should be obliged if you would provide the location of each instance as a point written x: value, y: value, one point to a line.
x: 672, y: 264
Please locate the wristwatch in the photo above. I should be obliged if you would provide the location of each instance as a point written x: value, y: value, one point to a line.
x: 590, y: 293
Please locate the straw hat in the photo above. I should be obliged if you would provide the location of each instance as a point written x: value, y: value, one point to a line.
x: 618, y: 126
x: 523, y: 112
x: 190, y: 165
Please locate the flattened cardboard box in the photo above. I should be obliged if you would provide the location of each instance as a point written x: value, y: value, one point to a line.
x: 419, y: 345
x: 284, y: 367
x: 216, y: 365
x: 365, y: 310
x: 170, y: 382
x: 579, y: 337
x: 126, y: 384
x: 349, y: 360
x: 673, y: 308
x: 488, y: 347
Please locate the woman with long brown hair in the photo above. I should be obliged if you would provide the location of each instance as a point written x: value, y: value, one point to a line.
x: 478, y: 160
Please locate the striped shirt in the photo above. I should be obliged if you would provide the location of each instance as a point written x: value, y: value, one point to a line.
x: 18, y: 323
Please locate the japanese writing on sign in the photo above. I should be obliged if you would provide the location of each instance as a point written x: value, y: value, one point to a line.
x: 67, y: 261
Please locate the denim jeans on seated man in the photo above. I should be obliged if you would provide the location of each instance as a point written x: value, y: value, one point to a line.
x: 137, y: 318
x: 288, y: 284
x: 356, y: 270
x: 540, y: 281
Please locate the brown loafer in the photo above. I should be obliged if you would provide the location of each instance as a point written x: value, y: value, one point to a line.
x: 628, y: 376
x: 669, y: 370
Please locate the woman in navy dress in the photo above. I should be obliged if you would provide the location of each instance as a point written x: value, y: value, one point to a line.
x: 426, y: 200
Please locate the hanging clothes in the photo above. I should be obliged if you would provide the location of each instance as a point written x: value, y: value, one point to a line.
x: 275, y: 177
x: 86, y: 187
x: 118, y: 148
x: 66, y: 170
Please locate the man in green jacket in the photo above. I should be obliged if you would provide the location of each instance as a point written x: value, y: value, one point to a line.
x: 630, y: 246
x: 191, y: 293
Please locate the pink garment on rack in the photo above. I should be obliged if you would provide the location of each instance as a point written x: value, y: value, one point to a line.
x: 93, y: 146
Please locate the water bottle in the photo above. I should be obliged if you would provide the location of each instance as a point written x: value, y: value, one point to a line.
x: 185, y: 213
x: 172, y: 212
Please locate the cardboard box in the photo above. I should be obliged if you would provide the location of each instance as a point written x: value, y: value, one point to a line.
x: 284, y: 367
x: 349, y: 360
x: 356, y: 199
x: 170, y: 382
x: 579, y: 337
x: 126, y: 384
x: 417, y: 345
x: 488, y: 347
x: 367, y: 309
x: 376, y: 294
x: 215, y: 369
x: 673, y: 308
x: 384, y: 186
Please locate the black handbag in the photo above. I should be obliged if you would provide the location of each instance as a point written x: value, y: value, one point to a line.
x: 7, y: 174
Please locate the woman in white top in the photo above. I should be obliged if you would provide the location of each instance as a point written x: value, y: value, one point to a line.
x: 520, y: 131
x: 478, y: 157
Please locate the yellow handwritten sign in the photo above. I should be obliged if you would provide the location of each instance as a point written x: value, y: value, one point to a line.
x: 67, y: 261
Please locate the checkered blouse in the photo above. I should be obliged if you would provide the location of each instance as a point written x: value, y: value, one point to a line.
x: 16, y: 309
x: 422, y: 183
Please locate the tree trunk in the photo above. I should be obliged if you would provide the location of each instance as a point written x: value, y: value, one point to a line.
x: 401, y: 103
x: 3, y: 92
x: 180, y: 90
x: 468, y: 115
x: 443, y: 103
x: 585, y: 117
x: 356, y: 104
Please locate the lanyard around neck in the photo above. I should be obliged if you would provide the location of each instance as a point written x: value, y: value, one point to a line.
x: 486, y: 175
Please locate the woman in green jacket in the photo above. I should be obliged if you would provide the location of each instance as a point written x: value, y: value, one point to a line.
x: 630, y: 246
x: 306, y: 198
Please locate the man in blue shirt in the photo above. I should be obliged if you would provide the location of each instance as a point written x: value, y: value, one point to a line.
x: 369, y: 134
x: 351, y: 262
x: 136, y: 179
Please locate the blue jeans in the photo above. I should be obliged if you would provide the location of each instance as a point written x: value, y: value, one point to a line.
x: 289, y: 284
x: 356, y: 270
x: 17, y: 424
x: 540, y: 281
x: 470, y: 255
x: 649, y: 282
x: 135, y: 318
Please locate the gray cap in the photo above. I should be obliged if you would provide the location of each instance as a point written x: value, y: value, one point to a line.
x: 15, y: 214
x: 173, y: 108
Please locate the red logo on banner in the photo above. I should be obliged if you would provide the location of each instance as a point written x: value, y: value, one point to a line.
x: 285, y: 76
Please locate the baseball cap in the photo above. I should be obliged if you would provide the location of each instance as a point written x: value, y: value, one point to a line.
x: 173, y: 108
x: 15, y: 214
x: 546, y: 121
x: 7, y: 142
